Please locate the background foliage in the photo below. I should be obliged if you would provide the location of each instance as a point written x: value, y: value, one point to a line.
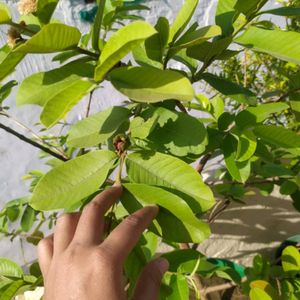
x: 249, y: 93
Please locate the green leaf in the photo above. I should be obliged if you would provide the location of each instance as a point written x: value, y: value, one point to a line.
x: 259, y: 294
x: 246, y: 146
x: 8, y: 61
x: 283, y: 11
x: 27, y: 219
x: 250, y: 7
x: 291, y: 260
x: 45, y: 10
x: 172, y: 133
x: 239, y: 171
x: 278, y: 43
x: 140, y: 128
x: 197, y: 37
x: 182, y: 19
x: 9, y: 268
x: 5, y: 16
x: 69, y: 183
x: 120, y: 44
x: 97, y: 24
x: 174, y: 213
x: 208, y: 51
x: 226, y: 15
x: 145, y: 84
x: 253, y: 115
x: 5, y: 90
x: 11, y: 290
x: 288, y: 188
x: 152, y: 50
x: 97, y: 128
x: 52, y: 38
x: 278, y: 136
x: 167, y: 171
x: 180, y: 288
x: 230, y: 89
x: 57, y: 90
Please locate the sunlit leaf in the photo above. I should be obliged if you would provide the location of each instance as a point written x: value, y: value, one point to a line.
x: 69, y: 183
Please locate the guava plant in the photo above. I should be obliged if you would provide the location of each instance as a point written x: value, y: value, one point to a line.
x: 150, y: 142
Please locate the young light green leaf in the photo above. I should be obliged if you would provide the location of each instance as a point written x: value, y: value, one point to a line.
x: 230, y: 89
x: 97, y: 128
x: 53, y: 37
x: 145, y: 84
x: 246, y: 146
x: 226, y: 15
x: 72, y: 181
x: 278, y: 43
x: 259, y: 294
x: 5, y: 16
x: 182, y: 19
x: 8, y: 61
x: 172, y: 133
x: 291, y: 260
x: 97, y: 24
x: 170, y: 172
x: 9, y: 268
x: 239, y: 171
x: 175, y: 213
x: 278, y: 136
x: 120, y: 44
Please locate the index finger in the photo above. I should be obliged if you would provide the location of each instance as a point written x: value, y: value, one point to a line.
x: 126, y: 235
x: 91, y: 223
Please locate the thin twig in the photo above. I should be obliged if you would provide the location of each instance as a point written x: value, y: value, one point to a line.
x: 32, y: 143
x: 17, y: 122
x: 89, y: 104
x: 199, y: 168
x: 181, y: 107
x: 217, y: 288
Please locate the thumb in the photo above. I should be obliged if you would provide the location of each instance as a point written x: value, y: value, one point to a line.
x: 149, y: 282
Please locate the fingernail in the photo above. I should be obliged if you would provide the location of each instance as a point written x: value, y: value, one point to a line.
x: 154, y: 209
x: 163, y: 265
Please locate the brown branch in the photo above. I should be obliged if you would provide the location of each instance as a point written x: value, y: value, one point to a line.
x: 32, y: 143
x: 217, y: 288
x: 199, y: 168
x: 181, y: 107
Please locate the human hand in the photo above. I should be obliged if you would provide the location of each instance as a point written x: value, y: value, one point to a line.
x: 77, y: 263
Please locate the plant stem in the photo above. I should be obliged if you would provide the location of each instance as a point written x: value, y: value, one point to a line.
x: 89, y: 104
x: 217, y: 288
x: 87, y: 52
x: 22, y: 28
x: 32, y: 143
x: 17, y: 122
x: 203, y: 162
